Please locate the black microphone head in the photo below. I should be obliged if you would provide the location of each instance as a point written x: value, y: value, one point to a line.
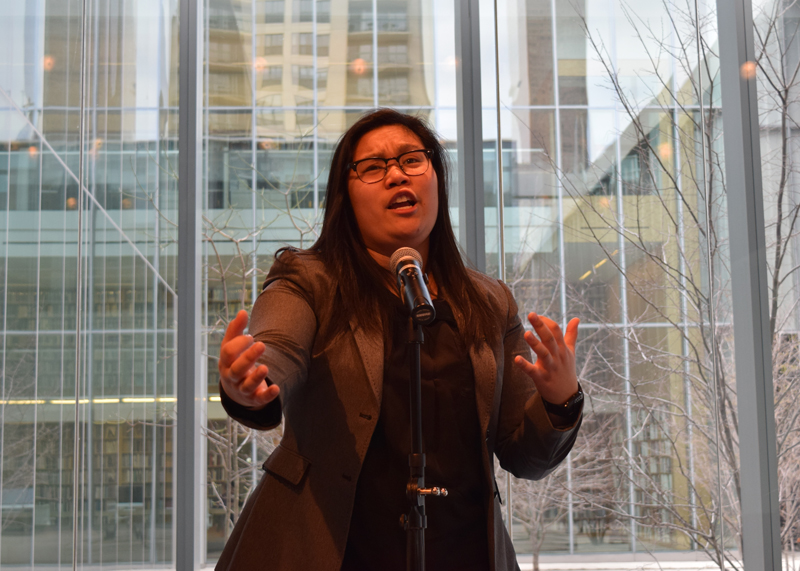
x: 400, y: 254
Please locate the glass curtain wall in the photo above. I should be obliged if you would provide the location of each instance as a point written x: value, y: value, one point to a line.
x: 778, y: 119
x: 613, y: 204
x: 612, y: 209
x: 283, y: 80
x: 126, y: 283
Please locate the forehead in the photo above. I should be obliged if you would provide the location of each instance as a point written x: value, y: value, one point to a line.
x: 387, y: 141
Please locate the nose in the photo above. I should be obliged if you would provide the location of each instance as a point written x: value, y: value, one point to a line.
x: 394, y: 174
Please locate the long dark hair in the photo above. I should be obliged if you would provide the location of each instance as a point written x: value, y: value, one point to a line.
x: 361, y: 281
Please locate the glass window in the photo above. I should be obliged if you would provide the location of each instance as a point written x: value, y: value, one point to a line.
x: 302, y: 10
x: 303, y: 75
x: 323, y: 11
x: 272, y: 75
x: 303, y: 44
x: 323, y: 45
x: 270, y: 11
x: 271, y: 44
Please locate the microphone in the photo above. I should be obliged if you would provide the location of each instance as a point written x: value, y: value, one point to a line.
x: 406, y: 263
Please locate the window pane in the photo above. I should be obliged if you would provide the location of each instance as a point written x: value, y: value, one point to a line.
x: 127, y: 287
x: 632, y: 213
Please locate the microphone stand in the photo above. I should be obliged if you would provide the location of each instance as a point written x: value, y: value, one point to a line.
x: 415, y: 522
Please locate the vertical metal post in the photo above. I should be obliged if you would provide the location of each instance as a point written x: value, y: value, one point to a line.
x: 189, y: 516
x: 561, y: 245
x: 471, y: 232
x: 375, y: 100
x: 757, y: 445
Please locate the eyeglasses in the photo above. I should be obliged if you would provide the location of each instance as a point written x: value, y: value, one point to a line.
x: 374, y: 169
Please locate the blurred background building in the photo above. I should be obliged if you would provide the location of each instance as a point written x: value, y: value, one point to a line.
x: 609, y: 139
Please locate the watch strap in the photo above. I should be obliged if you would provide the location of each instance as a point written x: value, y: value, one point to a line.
x: 569, y: 408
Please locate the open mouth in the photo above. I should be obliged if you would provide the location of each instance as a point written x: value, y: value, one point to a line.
x: 402, y: 203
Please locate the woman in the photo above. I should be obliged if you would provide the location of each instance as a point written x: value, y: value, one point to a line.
x: 328, y: 355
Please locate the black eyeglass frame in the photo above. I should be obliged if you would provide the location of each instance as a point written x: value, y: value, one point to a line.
x: 354, y: 165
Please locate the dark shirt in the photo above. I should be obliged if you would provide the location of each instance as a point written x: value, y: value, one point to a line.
x: 457, y: 535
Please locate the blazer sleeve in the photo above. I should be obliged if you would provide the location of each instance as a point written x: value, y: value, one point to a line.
x: 284, y: 320
x: 528, y: 445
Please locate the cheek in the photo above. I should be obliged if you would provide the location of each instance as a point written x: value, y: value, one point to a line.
x: 363, y: 211
x: 357, y: 202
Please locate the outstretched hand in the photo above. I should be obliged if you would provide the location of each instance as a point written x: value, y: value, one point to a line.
x: 242, y: 378
x: 553, y: 372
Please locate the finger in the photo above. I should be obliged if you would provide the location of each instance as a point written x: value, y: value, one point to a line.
x: 528, y: 368
x: 544, y: 333
x: 555, y: 330
x: 246, y: 361
x: 236, y: 326
x: 571, y: 336
x: 538, y: 347
x: 251, y: 384
x: 265, y: 394
x: 231, y: 350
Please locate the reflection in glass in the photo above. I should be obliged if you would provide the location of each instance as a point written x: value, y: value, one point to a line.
x: 127, y: 394
x: 620, y: 188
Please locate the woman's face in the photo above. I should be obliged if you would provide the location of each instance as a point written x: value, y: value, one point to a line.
x: 400, y: 210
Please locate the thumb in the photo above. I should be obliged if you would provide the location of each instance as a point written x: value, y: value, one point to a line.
x: 236, y: 326
x: 571, y: 335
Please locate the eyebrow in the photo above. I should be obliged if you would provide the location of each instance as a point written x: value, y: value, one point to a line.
x: 404, y: 148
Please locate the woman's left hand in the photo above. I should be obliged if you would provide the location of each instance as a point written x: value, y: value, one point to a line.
x: 553, y: 372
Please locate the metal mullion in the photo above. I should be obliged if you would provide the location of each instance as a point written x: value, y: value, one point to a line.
x: 119, y: 391
x: 684, y: 309
x: 121, y: 258
x: 254, y: 154
x: 624, y: 299
x: 501, y: 249
x: 626, y: 345
x: 131, y: 347
x: 625, y: 336
x: 315, y: 129
x: 162, y: 330
x: 189, y: 504
x: 375, y: 79
x: 135, y: 339
x: 756, y: 409
x: 90, y: 329
x: 62, y: 337
x: 561, y: 244
x: 89, y: 309
x: 501, y: 246
x: 470, y: 132
x: 254, y: 221
x: 36, y: 359
x: 152, y: 336
x: 4, y: 334
x: 154, y: 286
x: 79, y: 281
x: 86, y: 378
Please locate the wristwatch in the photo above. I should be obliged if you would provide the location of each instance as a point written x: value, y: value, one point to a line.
x: 569, y: 408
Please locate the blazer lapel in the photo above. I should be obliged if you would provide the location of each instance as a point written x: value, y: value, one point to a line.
x: 485, y: 371
x: 371, y: 349
x: 483, y: 366
x: 370, y: 346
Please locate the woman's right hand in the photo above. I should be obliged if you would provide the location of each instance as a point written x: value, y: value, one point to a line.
x: 242, y: 378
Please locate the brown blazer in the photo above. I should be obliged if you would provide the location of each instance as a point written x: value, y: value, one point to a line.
x: 298, y: 517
